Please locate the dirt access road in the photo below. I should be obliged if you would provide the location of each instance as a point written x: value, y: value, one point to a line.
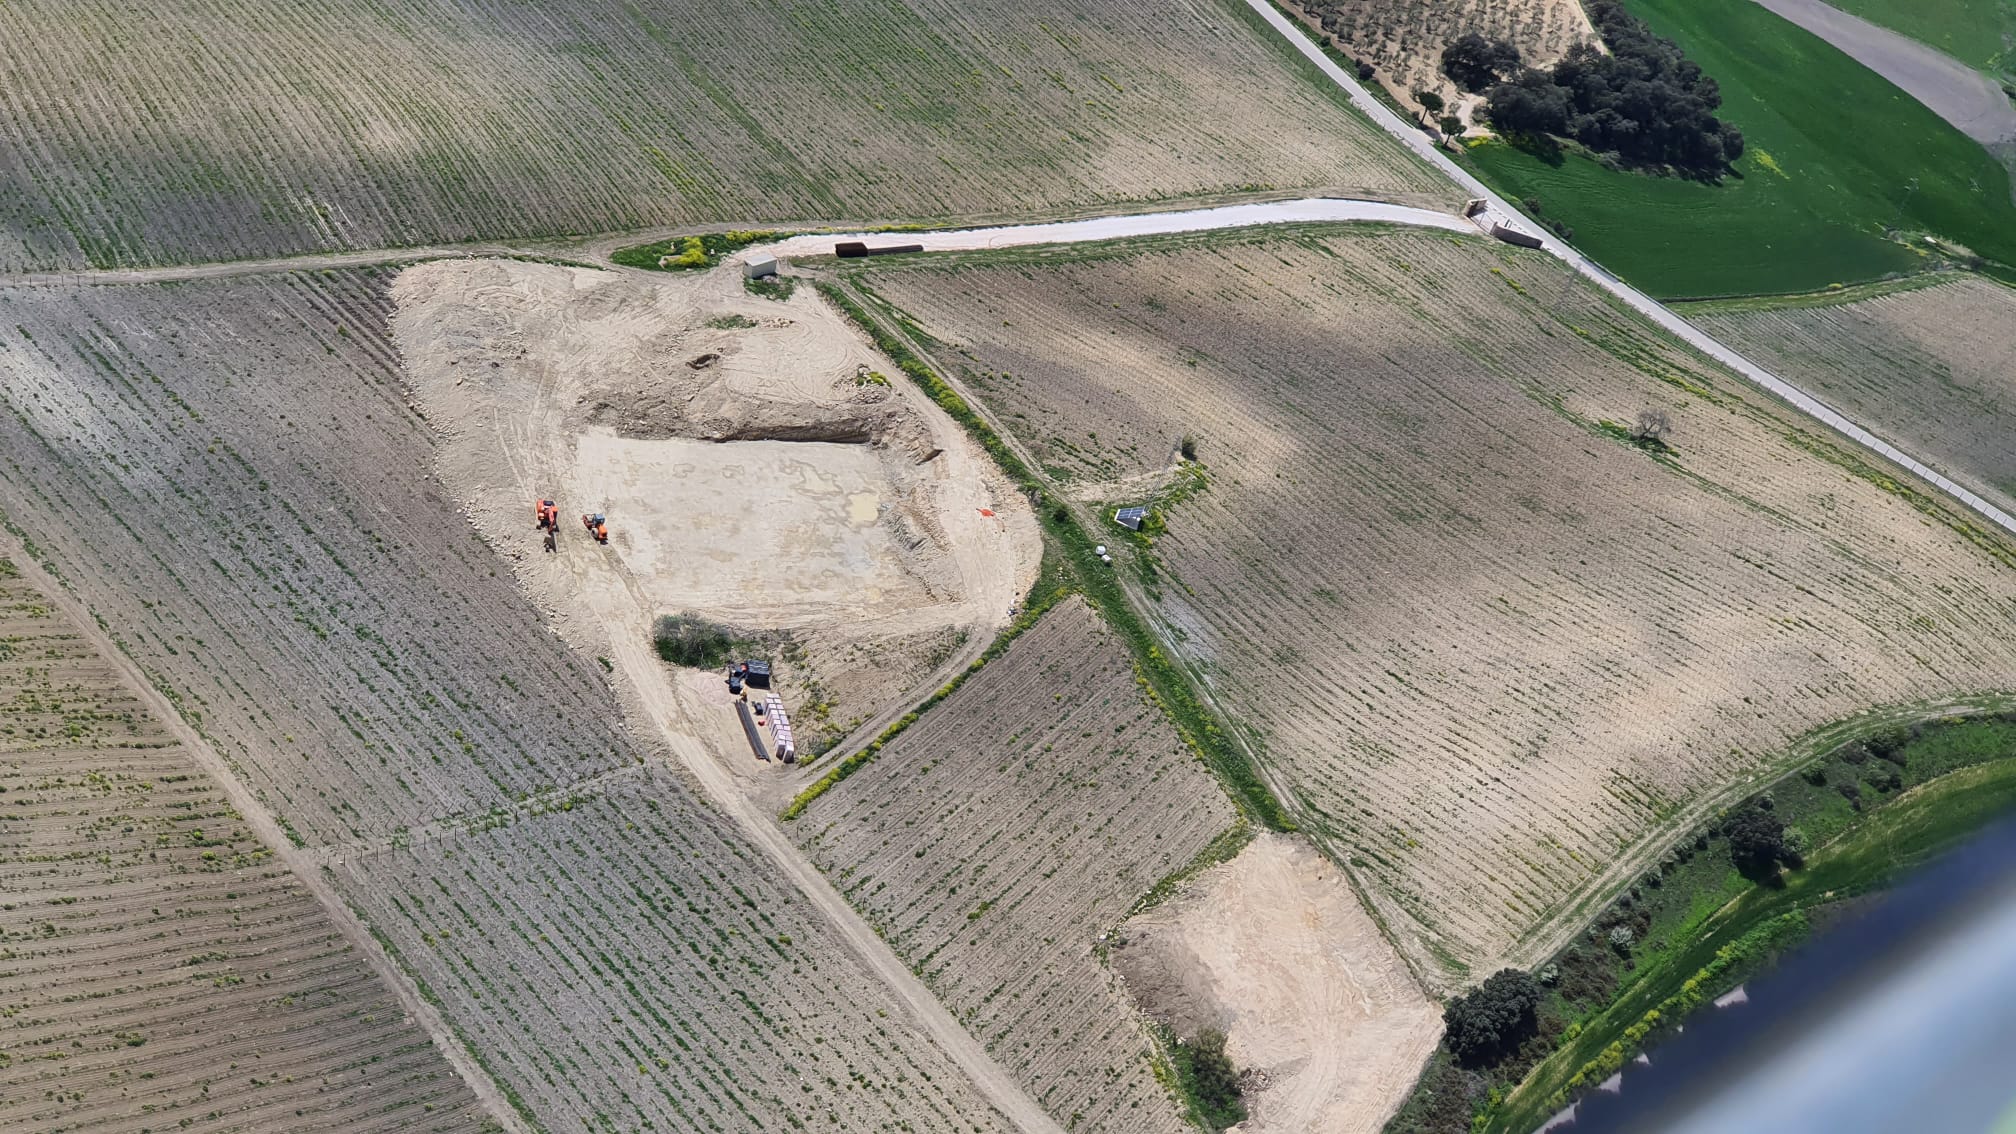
x: 302, y: 863
x: 1968, y: 99
x: 542, y: 341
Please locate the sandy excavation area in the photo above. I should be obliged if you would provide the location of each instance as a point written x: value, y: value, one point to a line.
x: 1275, y: 950
x: 755, y: 464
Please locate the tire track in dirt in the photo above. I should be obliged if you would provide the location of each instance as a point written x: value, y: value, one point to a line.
x: 263, y: 825
x: 532, y: 441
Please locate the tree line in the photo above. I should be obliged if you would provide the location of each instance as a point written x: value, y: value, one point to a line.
x: 1644, y: 102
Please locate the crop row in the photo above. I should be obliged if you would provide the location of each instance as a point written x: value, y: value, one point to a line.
x: 1516, y: 644
x: 231, y: 470
x: 238, y: 128
x: 1932, y: 368
x: 999, y: 837
x: 162, y: 969
x: 627, y: 960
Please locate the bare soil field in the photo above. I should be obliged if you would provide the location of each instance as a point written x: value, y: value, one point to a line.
x: 1405, y: 41
x: 250, y: 128
x: 995, y: 842
x: 1490, y: 648
x: 231, y: 474
x: 757, y: 465
x: 1932, y: 368
x: 164, y: 970
x: 1274, y: 950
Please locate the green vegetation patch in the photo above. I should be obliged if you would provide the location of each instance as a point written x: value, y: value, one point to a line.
x: 1980, y: 33
x: 1835, y: 157
x: 1208, y: 1081
x: 690, y: 640
x: 691, y: 253
x: 1714, y: 911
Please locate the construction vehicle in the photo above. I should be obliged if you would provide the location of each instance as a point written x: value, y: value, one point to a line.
x: 547, y: 514
x: 597, y: 526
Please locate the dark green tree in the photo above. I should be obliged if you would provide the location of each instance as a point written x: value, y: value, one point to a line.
x: 1756, y: 841
x: 1489, y: 1022
x: 1474, y: 63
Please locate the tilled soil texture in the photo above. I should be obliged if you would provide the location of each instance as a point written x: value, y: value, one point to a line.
x: 1520, y: 646
x: 757, y: 464
x: 1405, y: 41
x: 623, y: 958
x: 1932, y: 369
x: 1274, y: 950
x: 575, y: 117
x: 164, y: 971
x: 997, y: 840
x: 229, y: 473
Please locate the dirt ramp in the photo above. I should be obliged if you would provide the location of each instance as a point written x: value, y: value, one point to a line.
x: 1275, y: 949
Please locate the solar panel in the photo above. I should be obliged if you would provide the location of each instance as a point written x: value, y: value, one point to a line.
x: 1130, y: 517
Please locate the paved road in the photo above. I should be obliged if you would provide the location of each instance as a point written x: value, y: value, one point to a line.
x: 1700, y: 340
x: 1306, y: 210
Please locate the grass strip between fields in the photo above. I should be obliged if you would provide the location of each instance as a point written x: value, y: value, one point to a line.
x: 1164, y: 682
x: 1699, y: 928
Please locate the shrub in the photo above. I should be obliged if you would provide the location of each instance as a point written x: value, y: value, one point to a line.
x: 1621, y: 940
x: 690, y: 640
x: 1815, y: 775
x: 1210, y: 1079
x: 1757, y: 841
x: 1489, y: 1022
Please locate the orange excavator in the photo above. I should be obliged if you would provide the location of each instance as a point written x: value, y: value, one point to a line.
x: 547, y: 514
x: 597, y: 526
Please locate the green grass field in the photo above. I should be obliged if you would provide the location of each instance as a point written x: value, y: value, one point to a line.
x: 1972, y: 31
x: 1834, y: 153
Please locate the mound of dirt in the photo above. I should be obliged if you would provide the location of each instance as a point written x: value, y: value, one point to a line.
x: 1275, y: 950
x: 784, y: 486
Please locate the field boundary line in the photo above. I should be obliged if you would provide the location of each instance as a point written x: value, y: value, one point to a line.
x: 269, y: 831
x: 1645, y: 305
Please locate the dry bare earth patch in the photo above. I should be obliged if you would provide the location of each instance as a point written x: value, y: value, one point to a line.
x: 998, y: 839
x: 246, y: 128
x: 1933, y: 369
x: 1405, y: 40
x: 228, y: 472
x: 163, y: 970
x: 1519, y: 645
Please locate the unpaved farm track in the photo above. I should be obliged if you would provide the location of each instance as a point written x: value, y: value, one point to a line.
x: 609, y: 605
x: 299, y: 861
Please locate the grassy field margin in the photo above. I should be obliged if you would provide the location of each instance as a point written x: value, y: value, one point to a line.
x: 1699, y: 928
x: 1165, y: 683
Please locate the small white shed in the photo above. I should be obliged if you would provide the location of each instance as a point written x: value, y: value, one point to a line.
x: 759, y: 266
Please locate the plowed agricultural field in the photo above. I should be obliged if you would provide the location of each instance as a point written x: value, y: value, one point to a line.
x: 228, y: 473
x: 247, y: 128
x: 621, y: 958
x: 1491, y: 649
x: 1934, y: 369
x: 163, y: 970
x: 997, y: 840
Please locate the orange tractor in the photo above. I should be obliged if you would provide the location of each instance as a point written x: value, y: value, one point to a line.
x: 547, y: 514
x: 597, y: 526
